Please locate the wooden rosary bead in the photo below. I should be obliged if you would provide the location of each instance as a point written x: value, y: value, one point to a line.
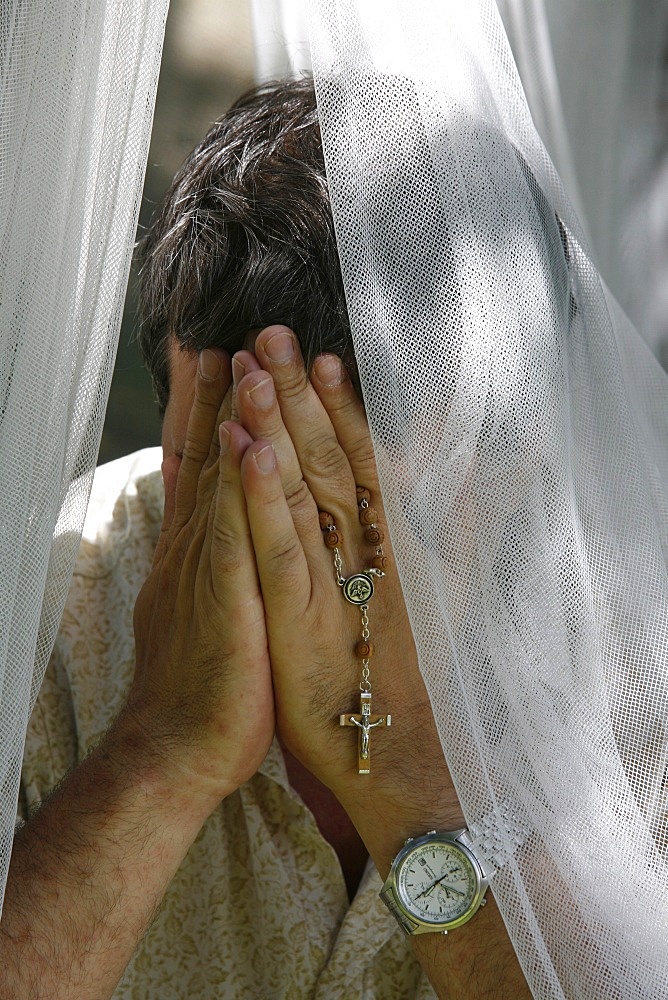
x: 364, y: 650
x: 368, y: 515
x: 374, y: 536
x: 326, y: 520
x: 363, y: 494
x: 380, y: 562
x: 332, y: 539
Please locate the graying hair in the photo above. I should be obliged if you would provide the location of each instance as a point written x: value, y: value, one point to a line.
x: 245, y: 237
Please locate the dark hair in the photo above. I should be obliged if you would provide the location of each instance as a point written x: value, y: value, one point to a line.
x: 245, y: 237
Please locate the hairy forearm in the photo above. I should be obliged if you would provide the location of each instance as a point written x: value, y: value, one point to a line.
x: 473, y: 962
x: 89, y: 871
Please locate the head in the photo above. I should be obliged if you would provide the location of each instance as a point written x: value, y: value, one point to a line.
x: 244, y: 239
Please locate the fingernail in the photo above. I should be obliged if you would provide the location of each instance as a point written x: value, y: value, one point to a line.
x: 225, y: 437
x: 262, y: 393
x: 329, y: 369
x: 238, y: 371
x: 209, y: 365
x: 265, y: 459
x: 280, y: 347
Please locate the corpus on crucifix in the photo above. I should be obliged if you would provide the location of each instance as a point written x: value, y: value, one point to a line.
x: 365, y: 722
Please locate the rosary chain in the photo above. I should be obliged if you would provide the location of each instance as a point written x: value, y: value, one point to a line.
x: 359, y: 589
x: 338, y: 566
x: 365, y: 682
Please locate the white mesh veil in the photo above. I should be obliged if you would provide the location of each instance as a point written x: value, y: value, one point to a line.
x: 77, y: 91
x: 280, y: 39
x: 521, y: 430
x: 596, y: 79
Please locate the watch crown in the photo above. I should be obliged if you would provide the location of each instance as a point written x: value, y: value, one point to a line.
x: 430, y: 833
x: 408, y: 840
x: 483, y: 901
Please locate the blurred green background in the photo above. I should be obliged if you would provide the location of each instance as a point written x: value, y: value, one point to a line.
x: 207, y: 63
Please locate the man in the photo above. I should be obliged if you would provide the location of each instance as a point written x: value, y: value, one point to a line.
x: 204, y: 845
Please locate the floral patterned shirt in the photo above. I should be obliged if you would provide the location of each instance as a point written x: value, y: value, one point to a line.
x: 259, y: 907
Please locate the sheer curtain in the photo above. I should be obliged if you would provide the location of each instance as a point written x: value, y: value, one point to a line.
x: 77, y: 92
x: 596, y: 79
x: 595, y: 76
x: 521, y: 431
x: 280, y: 38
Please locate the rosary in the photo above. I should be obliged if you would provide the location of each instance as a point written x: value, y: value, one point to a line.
x: 358, y: 589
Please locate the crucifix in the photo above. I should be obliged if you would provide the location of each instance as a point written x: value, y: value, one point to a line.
x: 365, y: 722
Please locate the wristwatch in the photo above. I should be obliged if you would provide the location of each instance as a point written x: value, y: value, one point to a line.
x: 438, y: 881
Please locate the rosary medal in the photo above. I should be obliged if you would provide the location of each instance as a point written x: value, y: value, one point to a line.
x: 358, y: 588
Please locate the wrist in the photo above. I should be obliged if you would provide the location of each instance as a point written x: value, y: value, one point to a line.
x: 475, y: 956
x: 408, y: 792
x: 385, y: 814
x: 168, y: 782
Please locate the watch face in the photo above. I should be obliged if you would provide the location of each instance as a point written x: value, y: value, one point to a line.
x: 438, y: 883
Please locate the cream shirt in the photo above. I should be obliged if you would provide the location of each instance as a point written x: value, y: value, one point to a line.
x: 259, y: 908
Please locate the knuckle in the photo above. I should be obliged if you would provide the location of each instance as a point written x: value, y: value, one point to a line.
x: 322, y: 454
x: 195, y: 450
x: 344, y: 403
x: 206, y: 485
x: 202, y: 422
x: 291, y: 383
x: 203, y: 414
x: 210, y: 394
x: 281, y: 563
x: 226, y: 548
x: 361, y: 454
x: 298, y: 497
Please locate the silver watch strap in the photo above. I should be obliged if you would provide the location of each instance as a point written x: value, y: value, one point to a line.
x: 497, y: 835
x: 388, y: 895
